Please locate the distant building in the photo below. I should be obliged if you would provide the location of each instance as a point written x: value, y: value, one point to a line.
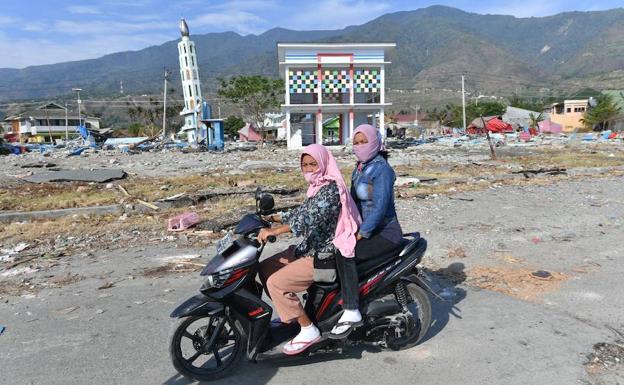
x: 345, y: 81
x: 49, y: 119
x: 275, y: 125
x: 249, y: 134
x: 569, y: 113
x: 519, y: 117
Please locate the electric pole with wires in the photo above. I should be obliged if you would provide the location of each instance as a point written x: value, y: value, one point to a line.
x: 167, y: 73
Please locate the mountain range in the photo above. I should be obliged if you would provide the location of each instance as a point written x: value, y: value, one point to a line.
x: 501, y: 55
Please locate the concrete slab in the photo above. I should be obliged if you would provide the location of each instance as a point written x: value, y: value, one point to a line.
x: 96, y: 175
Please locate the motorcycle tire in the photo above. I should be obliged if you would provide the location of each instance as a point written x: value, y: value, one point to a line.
x: 223, y: 368
x: 420, y: 299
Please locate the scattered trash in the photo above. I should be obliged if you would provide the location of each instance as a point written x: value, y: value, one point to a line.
x: 183, y: 221
x: 2, y: 329
x: 536, y: 240
x: 106, y: 285
x: 604, y: 356
x: 542, y: 274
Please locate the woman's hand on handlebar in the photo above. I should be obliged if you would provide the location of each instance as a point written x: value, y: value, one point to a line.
x: 264, y: 234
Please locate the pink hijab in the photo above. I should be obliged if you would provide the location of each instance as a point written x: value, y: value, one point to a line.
x: 367, y: 151
x: 349, y: 218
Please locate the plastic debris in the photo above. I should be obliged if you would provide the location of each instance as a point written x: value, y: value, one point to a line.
x: 183, y: 221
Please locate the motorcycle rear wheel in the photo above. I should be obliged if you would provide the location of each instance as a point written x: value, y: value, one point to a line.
x: 420, y: 307
x: 191, y: 338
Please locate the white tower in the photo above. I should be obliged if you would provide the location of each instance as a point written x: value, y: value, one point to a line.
x: 191, y: 88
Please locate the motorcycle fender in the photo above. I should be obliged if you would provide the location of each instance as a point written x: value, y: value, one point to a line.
x: 413, y: 278
x: 197, y: 305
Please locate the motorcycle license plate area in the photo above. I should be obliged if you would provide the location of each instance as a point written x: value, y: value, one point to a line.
x: 225, y: 243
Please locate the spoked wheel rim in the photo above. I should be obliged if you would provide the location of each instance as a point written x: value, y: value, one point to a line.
x: 418, y: 324
x: 206, y: 346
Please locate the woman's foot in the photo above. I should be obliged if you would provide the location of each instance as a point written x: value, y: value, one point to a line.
x: 308, y: 336
x: 349, y: 320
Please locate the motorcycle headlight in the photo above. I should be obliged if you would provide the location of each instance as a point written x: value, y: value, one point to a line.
x: 223, y: 278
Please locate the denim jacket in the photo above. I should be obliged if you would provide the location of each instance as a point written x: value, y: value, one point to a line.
x: 372, y: 189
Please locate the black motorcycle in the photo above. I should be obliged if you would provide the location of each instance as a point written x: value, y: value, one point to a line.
x: 229, y: 318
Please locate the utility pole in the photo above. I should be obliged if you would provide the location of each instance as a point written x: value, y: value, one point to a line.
x: 66, y: 125
x: 48, y: 123
x: 165, y: 103
x: 79, y: 102
x: 464, y: 103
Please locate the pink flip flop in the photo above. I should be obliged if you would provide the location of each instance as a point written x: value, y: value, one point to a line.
x: 304, y: 346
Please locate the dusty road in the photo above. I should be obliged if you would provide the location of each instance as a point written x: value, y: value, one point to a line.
x: 498, y: 325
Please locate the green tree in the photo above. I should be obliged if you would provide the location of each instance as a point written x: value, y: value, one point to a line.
x: 605, y: 111
x: 454, y: 114
x: 536, y: 105
x: 135, y: 129
x: 232, y: 124
x: 535, y: 119
x: 255, y: 94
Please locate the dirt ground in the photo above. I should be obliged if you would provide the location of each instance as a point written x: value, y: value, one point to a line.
x: 527, y: 260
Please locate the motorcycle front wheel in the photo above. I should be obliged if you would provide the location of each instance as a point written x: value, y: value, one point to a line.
x: 206, y: 348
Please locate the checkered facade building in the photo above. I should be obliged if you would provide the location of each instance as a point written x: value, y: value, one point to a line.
x: 334, y: 81
x: 367, y: 80
x: 303, y: 81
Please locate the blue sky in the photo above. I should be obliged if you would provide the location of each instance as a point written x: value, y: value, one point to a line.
x: 50, y: 31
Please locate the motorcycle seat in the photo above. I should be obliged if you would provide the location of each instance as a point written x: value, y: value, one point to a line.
x: 368, y: 267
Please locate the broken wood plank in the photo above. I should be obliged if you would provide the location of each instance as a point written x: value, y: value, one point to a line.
x: 147, y: 204
x: 124, y: 191
x: 21, y: 261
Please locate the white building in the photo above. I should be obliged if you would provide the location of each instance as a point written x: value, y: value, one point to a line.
x: 50, y: 119
x: 191, y: 86
x: 343, y: 81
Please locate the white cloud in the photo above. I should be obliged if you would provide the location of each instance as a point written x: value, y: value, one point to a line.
x: 20, y: 53
x: 83, y: 10
x: 96, y: 27
x: 334, y: 14
x: 242, y: 22
x: 34, y: 26
x: 8, y: 20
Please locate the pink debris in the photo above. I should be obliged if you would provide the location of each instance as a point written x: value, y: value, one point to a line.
x: 183, y: 221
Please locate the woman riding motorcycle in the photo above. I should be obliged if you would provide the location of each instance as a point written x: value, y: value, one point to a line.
x: 328, y: 221
x: 380, y: 235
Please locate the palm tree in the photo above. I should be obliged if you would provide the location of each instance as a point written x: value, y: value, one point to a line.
x: 535, y: 119
x: 599, y: 117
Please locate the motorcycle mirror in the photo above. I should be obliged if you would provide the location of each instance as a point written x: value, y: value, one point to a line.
x: 266, y: 202
x: 258, y: 194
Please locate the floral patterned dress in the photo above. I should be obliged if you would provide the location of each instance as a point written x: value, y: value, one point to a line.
x: 315, y: 220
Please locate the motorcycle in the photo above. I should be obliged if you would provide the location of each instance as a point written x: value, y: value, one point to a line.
x: 229, y: 318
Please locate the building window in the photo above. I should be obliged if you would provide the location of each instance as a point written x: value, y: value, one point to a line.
x: 191, y: 48
x: 569, y: 109
x: 367, y: 85
x: 186, y: 60
x: 193, y: 61
x: 190, y: 91
x: 302, y: 81
x: 184, y: 48
x: 196, y: 90
x: 336, y: 84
